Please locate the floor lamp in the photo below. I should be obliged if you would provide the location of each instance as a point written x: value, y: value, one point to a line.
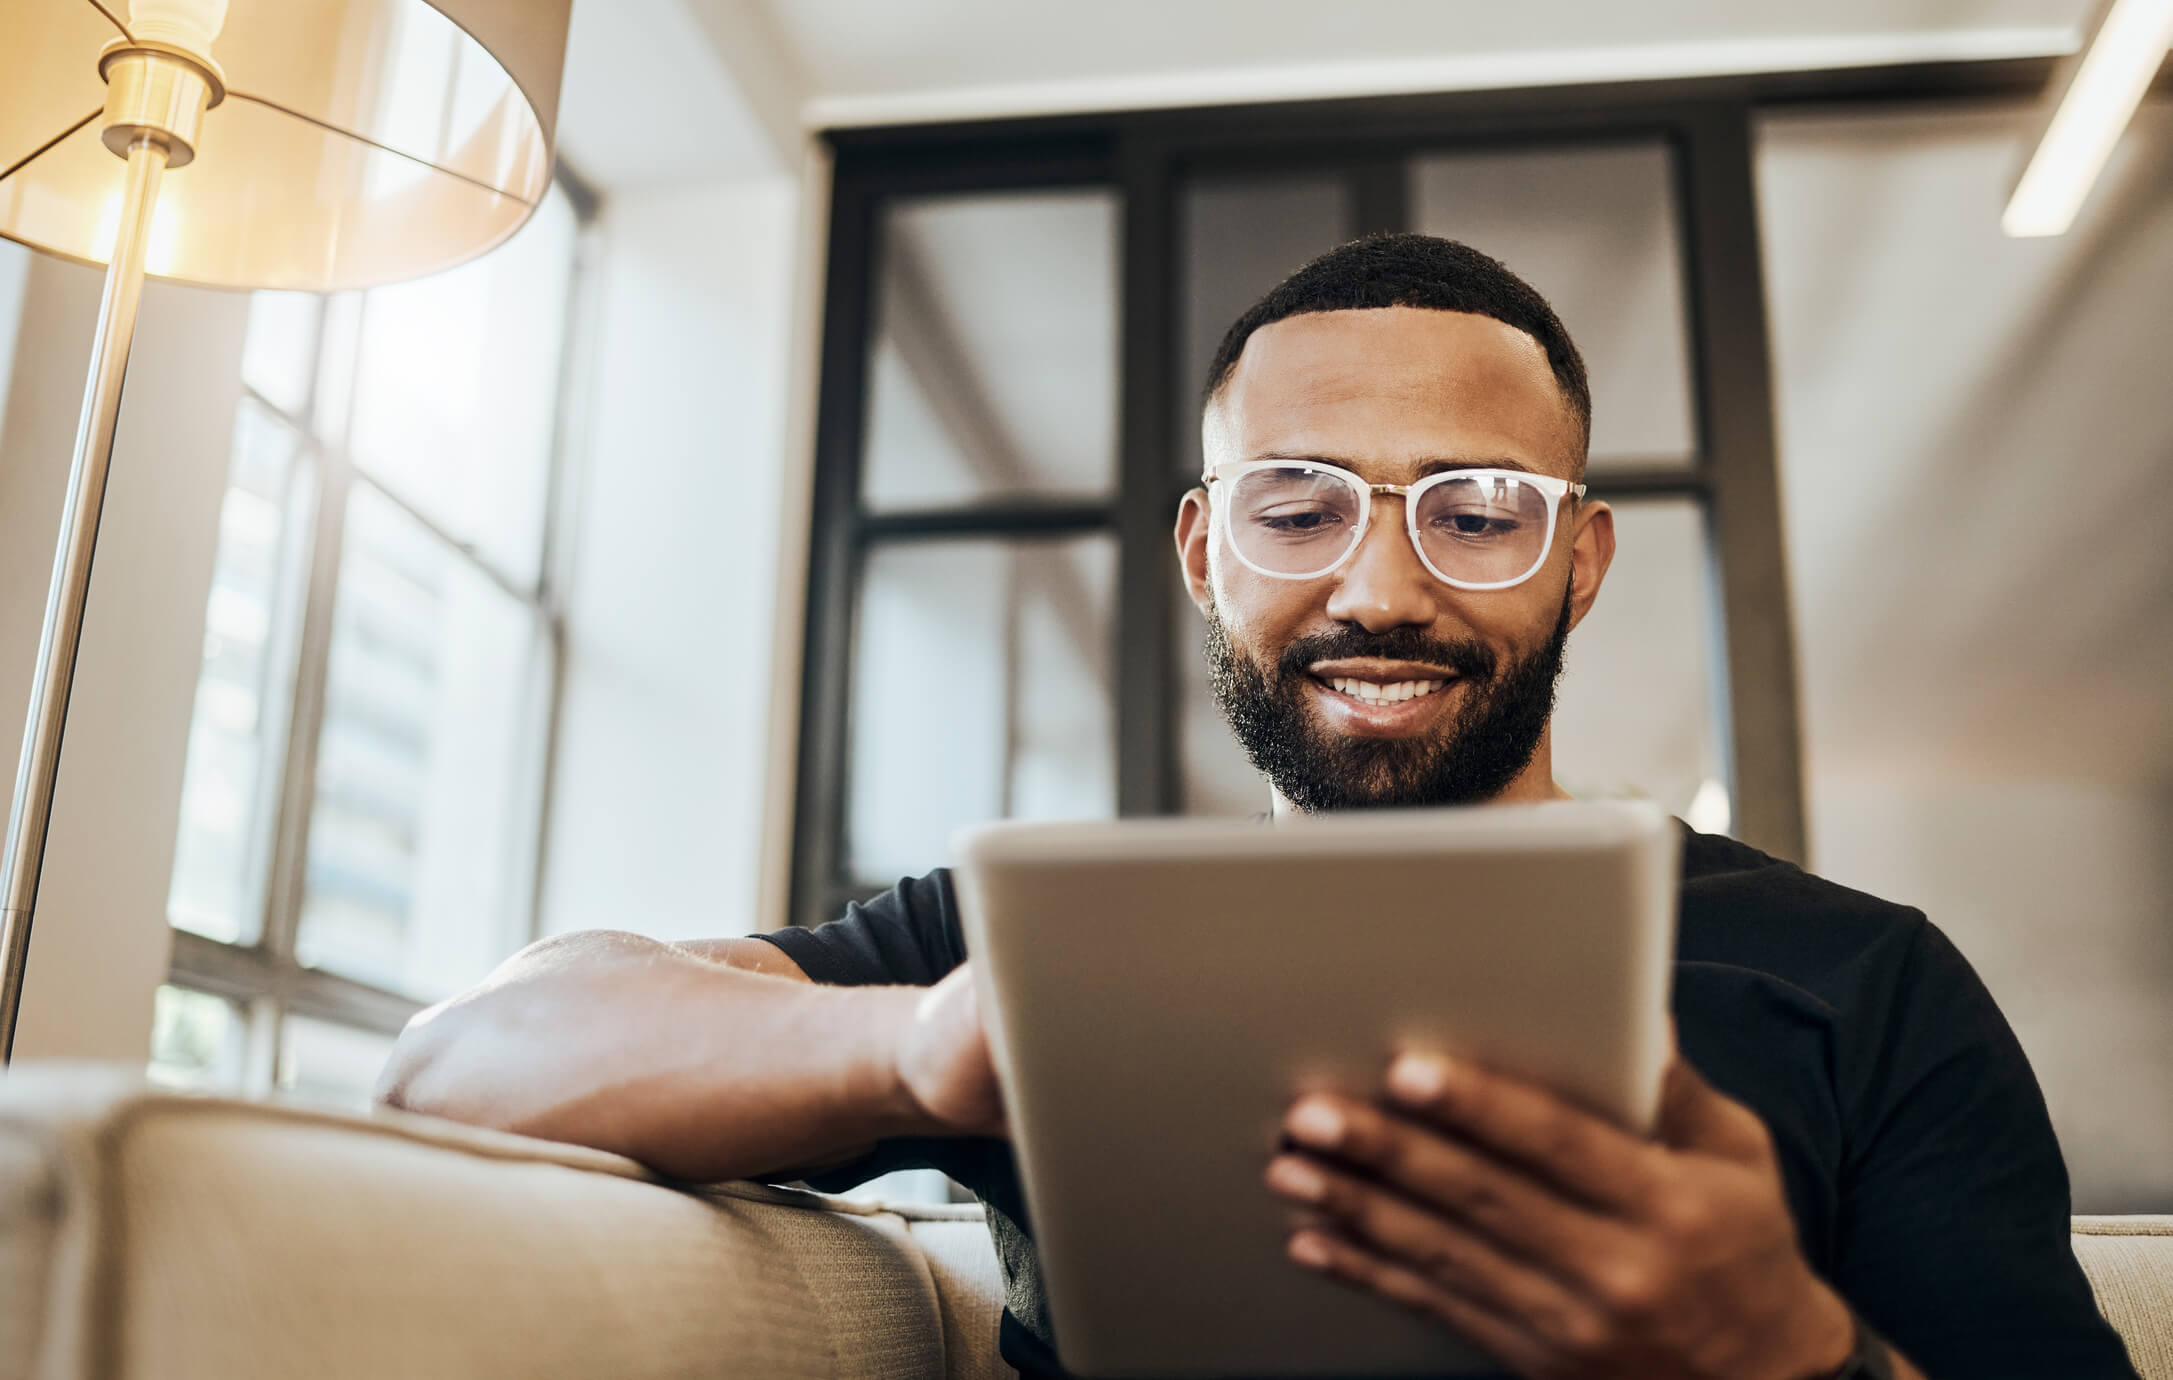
x: 318, y: 146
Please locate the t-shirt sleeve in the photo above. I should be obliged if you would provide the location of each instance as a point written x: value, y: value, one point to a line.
x: 907, y: 937
x: 1953, y: 1239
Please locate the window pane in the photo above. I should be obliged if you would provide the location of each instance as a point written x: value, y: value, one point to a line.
x: 237, y: 732
x: 993, y: 372
x: 332, y: 1065
x: 196, y: 1041
x: 422, y: 819
x: 1240, y: 237
x: 280, y: 350
x: 456, y: 390
x: 1594, y: 229
x: 1214, y: 776
x: 981, y: 690
x: 1635, y: 713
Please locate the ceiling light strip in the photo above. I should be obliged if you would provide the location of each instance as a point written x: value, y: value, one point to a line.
x: 2103, y: 89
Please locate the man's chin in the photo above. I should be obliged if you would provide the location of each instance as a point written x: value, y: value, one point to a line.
x: 1351, y: 771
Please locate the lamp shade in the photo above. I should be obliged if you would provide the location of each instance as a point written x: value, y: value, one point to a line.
x: 360, y: 141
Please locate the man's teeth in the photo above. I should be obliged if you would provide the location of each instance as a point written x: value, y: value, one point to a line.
x: 1375, y: 693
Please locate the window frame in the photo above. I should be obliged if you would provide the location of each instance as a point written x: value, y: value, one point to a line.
x: 263, y: 976
x: 1143, y: 156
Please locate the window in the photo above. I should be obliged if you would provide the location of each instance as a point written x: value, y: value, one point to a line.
x: 1019, y: 322
x: 363, y: 797
x: 986, y: 578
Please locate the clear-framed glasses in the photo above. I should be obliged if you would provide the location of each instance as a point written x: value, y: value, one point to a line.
x: 1474, y: 529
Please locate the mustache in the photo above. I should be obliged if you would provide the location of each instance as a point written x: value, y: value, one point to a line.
x: 1469, y: 659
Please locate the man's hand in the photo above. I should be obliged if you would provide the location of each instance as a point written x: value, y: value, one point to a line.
x: 943, y: 1061
x: 1555, y: 1240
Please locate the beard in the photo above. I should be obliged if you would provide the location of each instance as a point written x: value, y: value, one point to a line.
x: 1473, y: 757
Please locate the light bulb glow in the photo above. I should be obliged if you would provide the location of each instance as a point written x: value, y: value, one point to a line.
x: 164, y: 244
x: 2107, y: 86
x: 186, y: 24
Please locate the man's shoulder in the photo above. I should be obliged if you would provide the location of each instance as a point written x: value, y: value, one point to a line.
x: 1746, y: 909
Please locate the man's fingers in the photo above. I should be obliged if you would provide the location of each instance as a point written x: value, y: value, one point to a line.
x: 1353, y: 1264
x: 1497, y: 1200
x: 1448, y: 1252
x: 1575, y: 1149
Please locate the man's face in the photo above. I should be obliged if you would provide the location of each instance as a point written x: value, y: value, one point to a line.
x: 1393, y: 395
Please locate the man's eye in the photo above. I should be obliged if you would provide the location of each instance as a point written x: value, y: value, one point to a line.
x: 1475, y: 525
x: 1296, y: 519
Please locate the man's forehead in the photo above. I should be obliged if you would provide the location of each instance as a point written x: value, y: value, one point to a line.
x: 1392, y: 384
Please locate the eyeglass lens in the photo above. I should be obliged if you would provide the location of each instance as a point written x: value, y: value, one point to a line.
x: 1483, y: 530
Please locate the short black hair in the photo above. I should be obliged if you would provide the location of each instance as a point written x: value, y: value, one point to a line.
x: 1406, y: 270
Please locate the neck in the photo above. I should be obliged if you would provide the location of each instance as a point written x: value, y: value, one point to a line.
x: 1533, y: 784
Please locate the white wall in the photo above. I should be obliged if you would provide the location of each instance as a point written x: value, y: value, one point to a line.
x: 99, y: 947
x: 2057, y: 892
x: 665, y: 734
x: 1973, y: 432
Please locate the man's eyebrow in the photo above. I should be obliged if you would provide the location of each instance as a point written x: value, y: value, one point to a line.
x: 1426, y: 467
x: 1491, y: 462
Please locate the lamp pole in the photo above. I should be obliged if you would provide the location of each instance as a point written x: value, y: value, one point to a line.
x: 32, y: 810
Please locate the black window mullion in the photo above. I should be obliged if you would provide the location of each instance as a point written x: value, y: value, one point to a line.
x: 1735, y: 411
x: 1380, y: 194
x: 1140, y: 654
x: 1649, y: 481
x: 834, y: 555
x: 1000, y: 519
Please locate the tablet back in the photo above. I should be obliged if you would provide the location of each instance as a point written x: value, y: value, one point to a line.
x: 1156, y: 991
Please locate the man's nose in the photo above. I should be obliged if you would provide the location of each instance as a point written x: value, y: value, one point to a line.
x: 1383, y: 585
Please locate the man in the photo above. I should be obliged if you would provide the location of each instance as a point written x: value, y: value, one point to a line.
x: 1391, y: 546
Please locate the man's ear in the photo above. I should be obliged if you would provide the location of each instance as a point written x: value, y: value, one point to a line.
x: 1591, y: 551
x: 1195, y: 521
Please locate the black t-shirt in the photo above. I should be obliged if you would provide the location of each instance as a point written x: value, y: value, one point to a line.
x: 1921, y: 1167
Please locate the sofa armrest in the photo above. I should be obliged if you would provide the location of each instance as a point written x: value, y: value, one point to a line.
x: 152, y: 1234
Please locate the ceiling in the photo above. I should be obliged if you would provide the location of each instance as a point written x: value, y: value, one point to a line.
x: 869, y: 60
x: 672, y: 90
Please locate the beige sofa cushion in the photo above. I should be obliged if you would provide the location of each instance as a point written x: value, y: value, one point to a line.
x: 146, y: 1234
x: 2130, y: 1264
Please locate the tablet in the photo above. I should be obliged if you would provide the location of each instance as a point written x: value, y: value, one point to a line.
x: 1157, y: 991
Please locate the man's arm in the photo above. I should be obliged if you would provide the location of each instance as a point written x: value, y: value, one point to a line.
x: 709, y: 1060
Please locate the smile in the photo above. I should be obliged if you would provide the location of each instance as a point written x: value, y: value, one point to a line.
x: 1371, y: 692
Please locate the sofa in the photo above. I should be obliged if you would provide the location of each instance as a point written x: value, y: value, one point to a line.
x: 152, y: 1234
